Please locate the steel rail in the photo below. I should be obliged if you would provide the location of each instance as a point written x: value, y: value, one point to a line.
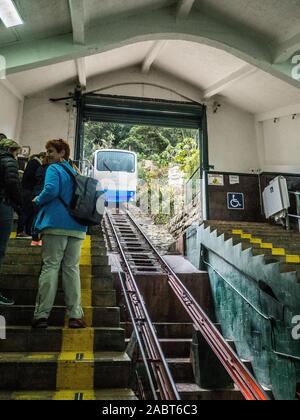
x: 241, y: 376
x: 156, y: 361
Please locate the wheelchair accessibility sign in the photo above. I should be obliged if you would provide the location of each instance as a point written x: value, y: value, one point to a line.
x: 235, y: 201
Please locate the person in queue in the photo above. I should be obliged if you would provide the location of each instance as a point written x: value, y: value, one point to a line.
x: 28, y: 183
x: 10, y: 197
x: 62, y: 239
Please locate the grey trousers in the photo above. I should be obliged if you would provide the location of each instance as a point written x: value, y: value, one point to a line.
x: 60, y: 252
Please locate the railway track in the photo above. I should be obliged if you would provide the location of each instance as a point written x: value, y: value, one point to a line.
x: 138, y: 255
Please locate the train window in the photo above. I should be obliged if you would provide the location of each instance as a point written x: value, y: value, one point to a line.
x: 116, y: 162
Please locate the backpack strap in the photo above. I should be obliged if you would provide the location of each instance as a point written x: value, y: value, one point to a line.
x: 73, y: 176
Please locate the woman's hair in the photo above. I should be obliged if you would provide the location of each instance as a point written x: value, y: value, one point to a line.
x: 60, y: 145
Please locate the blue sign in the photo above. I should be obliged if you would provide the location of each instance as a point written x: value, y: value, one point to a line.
x: 235, y: 201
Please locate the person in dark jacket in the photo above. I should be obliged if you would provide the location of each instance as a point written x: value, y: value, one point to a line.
x: 39, y: 182
x: 10, y: 196
x: 28, y: 184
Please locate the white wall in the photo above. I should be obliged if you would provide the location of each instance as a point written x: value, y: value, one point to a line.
x: 280, y: 144
x: 232, y: 139
x: 232, y: 136
x: 44, y: 120
x: 9, y: 112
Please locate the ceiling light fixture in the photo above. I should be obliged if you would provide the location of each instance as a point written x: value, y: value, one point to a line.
x: 9, y: 14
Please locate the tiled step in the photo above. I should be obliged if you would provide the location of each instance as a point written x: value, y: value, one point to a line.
x: 13, y: 259
x: 115, y: 394
x: 35, y: 269
x: 25, y: 339
x: 181, y: 370
x: 13, y: 249
x: 174, y: 330
x: 30, y: 281
x: 176, y: 348
x: 96, y: 317
x: 23, y: 297
x: 192, y: 392
x: 165, y: 330
x: 28, y: 371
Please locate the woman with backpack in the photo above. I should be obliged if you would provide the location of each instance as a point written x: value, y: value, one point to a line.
x: 62, y: 238
x: 10, y: 196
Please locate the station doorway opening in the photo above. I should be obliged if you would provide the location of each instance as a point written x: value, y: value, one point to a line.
x: 168, y: 140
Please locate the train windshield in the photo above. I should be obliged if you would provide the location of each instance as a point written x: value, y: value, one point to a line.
x: 116, y: 162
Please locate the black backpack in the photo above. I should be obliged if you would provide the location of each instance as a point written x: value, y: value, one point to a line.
x: 83, y: 206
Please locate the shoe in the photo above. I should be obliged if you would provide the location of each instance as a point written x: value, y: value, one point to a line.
x: 34, y: 243
x: 40, y: 243
x: 77, y: 324
x: 6, y: 302
x: 23, y: 235
x: 41, y: 323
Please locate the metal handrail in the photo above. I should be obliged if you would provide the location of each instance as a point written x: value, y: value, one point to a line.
x: 246, y: 383
x: 157, y: 368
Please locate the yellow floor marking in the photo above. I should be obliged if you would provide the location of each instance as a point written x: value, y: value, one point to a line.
x: 88, y: 315
x: 71, y: 357
x: 266, y: 245
x: 246, y: 236
x: 85, y: 260
x: 278, y: 251
x: 40, y: 356
x: 13, y: 235
x: 72, y: 374
x: 31, y: 396
x: 75, y: 369
x: 256, y: 241
x: 78, y: 339
x: 86, y: 297
x: 293, y: 259
x: 87, y: 395
x: 237, y: 232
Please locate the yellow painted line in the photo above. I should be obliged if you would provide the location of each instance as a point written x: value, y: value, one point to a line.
x: 237, y: 232
x: 246, y: 236
x: 13, y: 235
x: 39, y: 356
x: 75, y: 374
x: 75, y: 366
x: 71, y: 356
x: 31, y: 396
x: 278, y: 251
x: 78, y: 339
x: 86, y: 297
x: 85, y: 260
x: 87, y: 395
x: 266, y: 245
x: 88, y: 316
x: 293, y: 259
x: 256, y: 241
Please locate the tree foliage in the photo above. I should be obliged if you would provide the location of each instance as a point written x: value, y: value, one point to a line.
x: 162, y: 146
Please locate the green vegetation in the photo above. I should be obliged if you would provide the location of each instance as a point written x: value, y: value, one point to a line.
x: 158, y: 149
x: 164, y: 147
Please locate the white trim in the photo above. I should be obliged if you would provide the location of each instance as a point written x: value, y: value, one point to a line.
x: 229, y: 80
x: 184, y: 8
x: 81, y: 71
x: 78, y: 20
x: 153, y: 55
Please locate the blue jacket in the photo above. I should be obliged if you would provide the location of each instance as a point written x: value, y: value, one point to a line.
x: 53, y: 214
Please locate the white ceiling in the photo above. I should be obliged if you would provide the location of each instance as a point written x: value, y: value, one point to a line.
x: 278, y: 20
x: 199, y: 65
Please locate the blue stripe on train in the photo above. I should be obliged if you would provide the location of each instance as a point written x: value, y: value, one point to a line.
x: 120, y: 196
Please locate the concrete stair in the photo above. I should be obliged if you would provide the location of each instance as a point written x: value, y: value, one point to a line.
x: 58, y: 363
